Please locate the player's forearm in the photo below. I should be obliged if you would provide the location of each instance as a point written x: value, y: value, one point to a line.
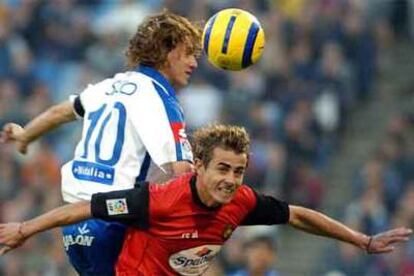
x: 64, y: 215
x: 319, y: 224
x: 169, y: 171
x: 49, y: 120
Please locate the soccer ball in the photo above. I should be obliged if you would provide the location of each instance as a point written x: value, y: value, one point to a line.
x: 233, y: 39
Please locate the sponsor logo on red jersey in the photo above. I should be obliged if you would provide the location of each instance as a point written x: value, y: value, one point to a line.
x: 203, y: 252
x: 194, y: 261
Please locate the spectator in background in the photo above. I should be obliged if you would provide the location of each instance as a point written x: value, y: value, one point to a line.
x: 9, y: 174
x: 366, y: 213
x: 202, y: 103
x: 307, y: 186
x: 10, y: 99
x: 260, y: 257
x: 360, y: 48
x: 334, y: 81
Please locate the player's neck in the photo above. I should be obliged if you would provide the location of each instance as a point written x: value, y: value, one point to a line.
x: 205, y: 196
x: 167, y: 76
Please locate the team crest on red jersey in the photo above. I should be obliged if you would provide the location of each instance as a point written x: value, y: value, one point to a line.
x: 228, y: 230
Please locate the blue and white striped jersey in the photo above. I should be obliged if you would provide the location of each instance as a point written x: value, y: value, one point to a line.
x: 132, y: 123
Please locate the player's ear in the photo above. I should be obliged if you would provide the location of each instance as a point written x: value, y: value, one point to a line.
x: 248, y: 160
x: 172, y: 56
x: 198, y: 164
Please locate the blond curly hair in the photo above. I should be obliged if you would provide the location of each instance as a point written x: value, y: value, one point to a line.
x: 157, y: 35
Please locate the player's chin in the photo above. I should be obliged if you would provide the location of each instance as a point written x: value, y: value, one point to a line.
x: 223, y: 198
x: 184, y: 80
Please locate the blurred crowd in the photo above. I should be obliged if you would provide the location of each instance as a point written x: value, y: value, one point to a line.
x: 320, y: 63
x: 383, y: 198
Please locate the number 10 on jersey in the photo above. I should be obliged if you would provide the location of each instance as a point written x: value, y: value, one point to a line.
x: 100, y: 169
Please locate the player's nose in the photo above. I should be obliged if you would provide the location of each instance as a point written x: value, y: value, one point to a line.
x: 231, y: 178
x: 193, y: 63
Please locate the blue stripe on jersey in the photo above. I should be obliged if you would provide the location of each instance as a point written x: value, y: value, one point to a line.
x: 144, y: 168
x: 167, y: 94
x: 227, y: 35
x: 171, y: 105
x: 208, y: 33
x: 248, y: 49
x: 152, y: 73
x: 173, y: 112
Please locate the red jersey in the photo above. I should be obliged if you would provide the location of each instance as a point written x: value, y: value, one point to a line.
x: 173, y: 231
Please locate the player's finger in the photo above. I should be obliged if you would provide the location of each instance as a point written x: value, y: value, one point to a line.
x: 398, y: 239
x: 382, y: 250
x: 406, y: 232
x: 397, y: 232
x: 2, y: 137
x: 7, y: 133
x: 402, y: 231
x: 2, y: 226
x: 22, y: 148
x: 5, y: 137
x: 4, y: 250
x: 387, y: 249
x: 8, y: 128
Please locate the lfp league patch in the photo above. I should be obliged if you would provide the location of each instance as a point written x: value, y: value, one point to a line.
x: 117, y: 206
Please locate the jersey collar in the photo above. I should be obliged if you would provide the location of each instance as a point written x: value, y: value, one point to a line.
x: 156, y: 75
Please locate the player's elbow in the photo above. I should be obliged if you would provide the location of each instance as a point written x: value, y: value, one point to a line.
x: 179, y: 168
x: 62, y: 113
x: 169, y: 171
x: 298, y: 215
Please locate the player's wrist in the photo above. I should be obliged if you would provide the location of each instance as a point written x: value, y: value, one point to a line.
x: 368, y: 248
x: 21, y: 230
x: 363, y: 241
x: 25, y: 137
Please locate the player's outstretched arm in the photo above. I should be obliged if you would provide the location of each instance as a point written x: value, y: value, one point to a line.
x: 12, y: 235
x: 48, y: 120
x: 319, y: 224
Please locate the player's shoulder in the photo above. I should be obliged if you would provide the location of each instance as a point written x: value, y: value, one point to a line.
x: 142, y: 81
x: 169, y: 196
x: 145, y: 85
x: 123, y: 82
x: 245, y: 195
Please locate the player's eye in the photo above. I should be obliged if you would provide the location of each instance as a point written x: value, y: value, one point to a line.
x: 223, y: 169
x: 239, y: 172
x: 194, y: 51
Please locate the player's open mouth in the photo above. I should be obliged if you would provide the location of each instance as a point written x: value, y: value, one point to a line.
x: 226, y: 190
